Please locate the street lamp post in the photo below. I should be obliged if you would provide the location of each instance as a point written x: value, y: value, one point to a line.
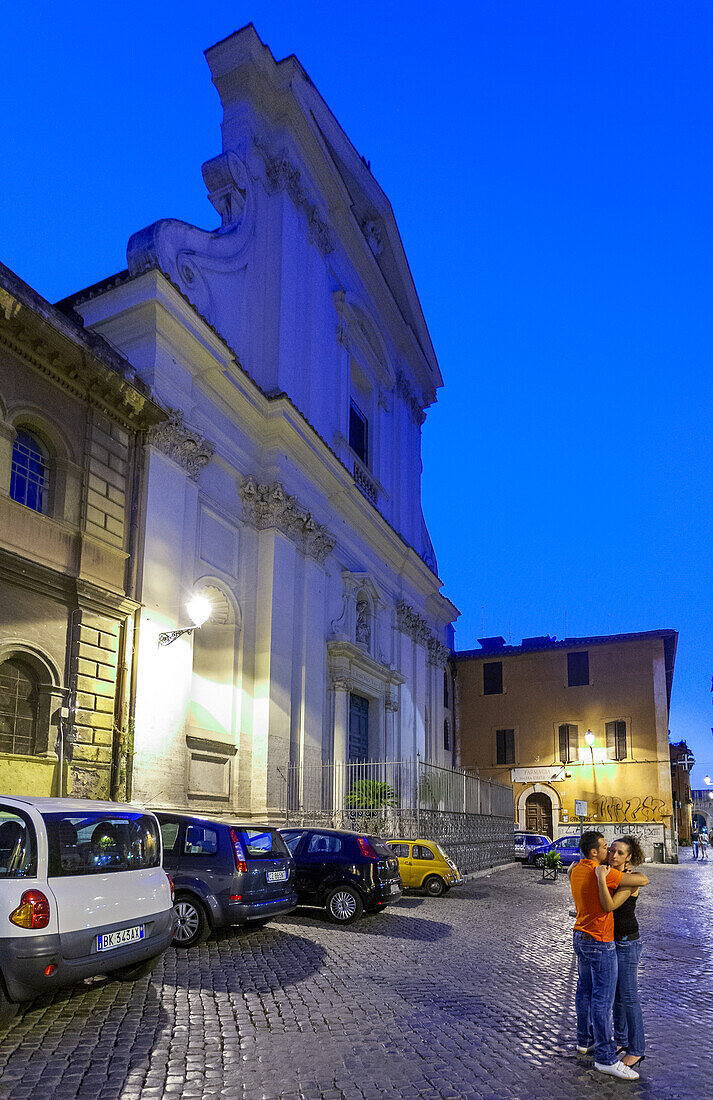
x: 199, y: 610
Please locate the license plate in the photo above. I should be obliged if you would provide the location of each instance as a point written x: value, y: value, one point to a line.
x: 277, y: 876
x: 394, y: 888
x: 107, y: 940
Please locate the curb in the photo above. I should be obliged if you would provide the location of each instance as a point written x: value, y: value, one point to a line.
x: 490, y: 870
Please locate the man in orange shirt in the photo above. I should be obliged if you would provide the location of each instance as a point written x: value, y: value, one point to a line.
x: 596, y: 958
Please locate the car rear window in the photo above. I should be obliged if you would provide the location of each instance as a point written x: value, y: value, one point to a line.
x: 262, y: 844
x: 401, y: 850
x: 381, y: 848
x: 18, y: 848
x: 99, y: 843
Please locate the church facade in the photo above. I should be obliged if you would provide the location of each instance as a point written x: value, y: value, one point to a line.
x: 290, y: 347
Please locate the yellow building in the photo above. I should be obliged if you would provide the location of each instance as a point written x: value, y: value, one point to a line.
x: 580, y: 719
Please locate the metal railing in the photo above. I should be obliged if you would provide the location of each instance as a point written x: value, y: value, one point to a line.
x: 387, y: 797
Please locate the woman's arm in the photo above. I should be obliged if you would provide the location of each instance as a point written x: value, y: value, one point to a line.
x: 605, y: 899
x: 636, y: 878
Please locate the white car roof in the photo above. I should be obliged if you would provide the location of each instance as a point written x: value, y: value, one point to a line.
x: 69, y: 805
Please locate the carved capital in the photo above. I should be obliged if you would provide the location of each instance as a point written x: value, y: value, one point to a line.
x: 270, y: 506
x: 437, y: 652
x: 411, y: 623
x: 186, y: 447
x: 391, y: 703
x: 341, y: 683
x: 282, y: 175
x: 408, y: 395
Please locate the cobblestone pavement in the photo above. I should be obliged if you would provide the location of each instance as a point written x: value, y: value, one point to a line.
x: 469, y: 995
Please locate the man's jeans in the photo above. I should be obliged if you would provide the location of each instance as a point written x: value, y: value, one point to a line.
x: 628, y: 1021
x: 694, y: 845
x: 596, y: 986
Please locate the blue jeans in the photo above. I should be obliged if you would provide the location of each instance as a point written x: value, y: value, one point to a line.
x: 628, y: 1021
x: 694, y: 846
x: 596, y: 986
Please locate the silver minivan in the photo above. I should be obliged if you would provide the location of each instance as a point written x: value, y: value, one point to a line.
x: 82, y: 893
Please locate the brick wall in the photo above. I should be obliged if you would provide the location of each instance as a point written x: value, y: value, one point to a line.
x: 106, y: 491
x: 95, y: 646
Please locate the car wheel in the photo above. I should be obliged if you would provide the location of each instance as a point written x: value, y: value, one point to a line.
x: 191, y: 922
x: 344, y: 905
x: 434, y: 886
x: 134, y: 971
x: 539, y: 861
x: 8, y: 1008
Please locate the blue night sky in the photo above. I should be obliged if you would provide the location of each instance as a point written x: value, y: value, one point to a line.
x: 550, y: 167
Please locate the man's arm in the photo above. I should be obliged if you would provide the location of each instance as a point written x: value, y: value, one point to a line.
x: 636, y: 878
x: 605, y: 899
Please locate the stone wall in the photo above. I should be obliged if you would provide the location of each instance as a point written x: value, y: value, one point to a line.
x: 648, y: 833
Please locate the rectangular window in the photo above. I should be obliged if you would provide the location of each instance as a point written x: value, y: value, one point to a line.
x: 493, y: 678
x: 262, y: 843
x: 578, y: 668
x: 358, y: 432
x: 18, y: 846
x: 616, y: 740
x: 569, y: 743
x: 505, y: 746
x: 446, y: 735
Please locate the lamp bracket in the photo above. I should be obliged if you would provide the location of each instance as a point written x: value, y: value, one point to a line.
x: 171, y: 635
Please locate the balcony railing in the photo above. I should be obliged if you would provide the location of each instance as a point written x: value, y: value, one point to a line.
x: 365, y: 482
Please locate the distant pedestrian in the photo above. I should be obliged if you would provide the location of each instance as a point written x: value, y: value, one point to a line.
x: 694, y: 841
x: 596, y: 957
x: 703, y: 843
x: 625, y: 854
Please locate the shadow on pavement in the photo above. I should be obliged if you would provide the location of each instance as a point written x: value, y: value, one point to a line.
x: 267, y: 960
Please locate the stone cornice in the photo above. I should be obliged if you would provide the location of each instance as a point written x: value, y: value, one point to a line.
x: 269, y: 505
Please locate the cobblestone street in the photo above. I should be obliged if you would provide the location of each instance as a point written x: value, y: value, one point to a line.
x: 470, y: 995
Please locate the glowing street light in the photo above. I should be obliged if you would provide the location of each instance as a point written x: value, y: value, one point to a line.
x: 590, y: 738
x: 707, y: 779
x: 199, y: 610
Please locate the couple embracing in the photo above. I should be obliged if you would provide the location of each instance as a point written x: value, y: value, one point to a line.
x: 606, y: 942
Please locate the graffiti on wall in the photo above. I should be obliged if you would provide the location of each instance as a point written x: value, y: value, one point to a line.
x: 612, y: 808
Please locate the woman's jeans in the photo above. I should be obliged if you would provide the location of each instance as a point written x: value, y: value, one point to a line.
x: 596, y: 985
x: 628, y: 1021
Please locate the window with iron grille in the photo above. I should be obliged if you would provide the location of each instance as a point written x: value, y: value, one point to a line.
x: 446, y: 735
x: 18, y: 707
x: 445, y: 689
x: 569, y: 743
x: 28, y: 478
x: 616, y: 740
x: 493, y: 678
x: 505, y: 746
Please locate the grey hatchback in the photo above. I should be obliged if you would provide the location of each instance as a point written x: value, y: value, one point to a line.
x: 224, y: 873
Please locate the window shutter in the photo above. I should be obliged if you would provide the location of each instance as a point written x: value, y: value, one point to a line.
x: 611, y: 740
x: 564, y: 744
x: 510, y: 746
x: 573, y: 744
x: 500, y: 746
x: 616, y: 740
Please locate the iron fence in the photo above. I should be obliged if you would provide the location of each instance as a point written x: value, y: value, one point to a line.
x: 392, y: 798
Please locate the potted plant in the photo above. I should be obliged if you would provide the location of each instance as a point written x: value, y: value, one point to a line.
x: 551, y: 864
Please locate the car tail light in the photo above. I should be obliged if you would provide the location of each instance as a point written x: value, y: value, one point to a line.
x: 170, y: 883
x: 238, y: 853
x: 33, y: 910
x: 366, y: 849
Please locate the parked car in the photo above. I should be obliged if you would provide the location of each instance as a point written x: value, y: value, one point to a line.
x: 567, y: 846
x: 423, y: 864
x: 83, y: 893
x: 224, y: 873
x: 344, y: 872
x: 525, y: 841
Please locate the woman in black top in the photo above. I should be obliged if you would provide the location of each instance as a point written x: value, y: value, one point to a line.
x: 625, y: 854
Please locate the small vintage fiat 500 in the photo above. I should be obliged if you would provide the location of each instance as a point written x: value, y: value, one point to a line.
x: 423, y: 864
x: 82, y: 893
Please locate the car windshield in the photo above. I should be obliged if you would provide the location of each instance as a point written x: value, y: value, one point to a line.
x: 97, y: 843
x: 263, y: 844
x: 380, y: 847
x: 292, y: 840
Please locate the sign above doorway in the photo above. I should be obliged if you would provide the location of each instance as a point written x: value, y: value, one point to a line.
x: 553, y: 773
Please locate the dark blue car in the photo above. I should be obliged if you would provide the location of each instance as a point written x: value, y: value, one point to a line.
x: 567, y: 846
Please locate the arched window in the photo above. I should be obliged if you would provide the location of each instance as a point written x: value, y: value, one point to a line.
x: 445, y: 688
x: 18, y: 707
x: 29, y: 480
x: 446, y: 735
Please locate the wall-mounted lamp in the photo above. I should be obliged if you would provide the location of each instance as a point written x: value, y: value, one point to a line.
x: 590, y: 738
x: 707, y: 779
x: 199, y: 610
